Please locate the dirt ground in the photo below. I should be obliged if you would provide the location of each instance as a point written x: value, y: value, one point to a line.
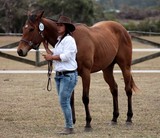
x: 28, y: 110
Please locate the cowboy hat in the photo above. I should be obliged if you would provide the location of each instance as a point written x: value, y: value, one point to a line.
x: 67, y: 21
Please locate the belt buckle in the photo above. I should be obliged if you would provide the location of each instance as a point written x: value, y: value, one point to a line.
x: 59, y: 73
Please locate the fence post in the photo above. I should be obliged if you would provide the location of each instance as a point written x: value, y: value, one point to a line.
x: 37, y: 57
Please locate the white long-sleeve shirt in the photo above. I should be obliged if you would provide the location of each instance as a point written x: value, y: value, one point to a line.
x: 67, y: 50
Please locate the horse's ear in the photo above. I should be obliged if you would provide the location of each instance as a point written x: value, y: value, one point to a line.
x: 39, y: 15
x: 29, y: 13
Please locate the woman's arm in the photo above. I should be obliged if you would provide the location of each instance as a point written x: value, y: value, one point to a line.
x: 51, y: 57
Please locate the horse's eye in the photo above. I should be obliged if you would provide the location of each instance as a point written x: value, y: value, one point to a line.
x: 31, y: 29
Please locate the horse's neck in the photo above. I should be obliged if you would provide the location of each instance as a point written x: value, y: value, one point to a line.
x: 51, y: 31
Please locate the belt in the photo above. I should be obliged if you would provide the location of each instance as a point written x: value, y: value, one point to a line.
x: 59, y: 73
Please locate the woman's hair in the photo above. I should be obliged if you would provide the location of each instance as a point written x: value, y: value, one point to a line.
x: 67, y: 31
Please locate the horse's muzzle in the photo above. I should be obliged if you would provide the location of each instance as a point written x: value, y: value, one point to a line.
x: 20, y: 53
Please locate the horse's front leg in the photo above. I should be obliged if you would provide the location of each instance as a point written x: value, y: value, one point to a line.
x: 85, y: 98
x: 72, y: 107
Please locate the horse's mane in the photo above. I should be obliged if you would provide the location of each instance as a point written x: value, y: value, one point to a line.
x: 76, y: 24
x: 32, y: 18
x: 54, y: 20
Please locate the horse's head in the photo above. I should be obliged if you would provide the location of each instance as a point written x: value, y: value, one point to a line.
x: 32, y: 34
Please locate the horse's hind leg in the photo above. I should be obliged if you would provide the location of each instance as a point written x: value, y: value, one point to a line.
x: 126, y: 70
x: 109, y: 78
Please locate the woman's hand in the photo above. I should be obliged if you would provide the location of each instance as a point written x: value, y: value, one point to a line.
x: 51, y: 57
x: 47, y: 57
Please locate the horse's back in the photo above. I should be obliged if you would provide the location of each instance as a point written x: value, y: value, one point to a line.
x: 105, y: 40
x: 105, y: 30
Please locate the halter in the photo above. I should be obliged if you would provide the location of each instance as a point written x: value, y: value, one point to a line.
x: 49, y: 86
x: 30, y: 43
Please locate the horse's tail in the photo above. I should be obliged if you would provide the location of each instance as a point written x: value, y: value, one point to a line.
x: 133, y: 85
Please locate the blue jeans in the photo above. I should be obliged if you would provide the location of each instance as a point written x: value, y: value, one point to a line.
x: 65, y: 85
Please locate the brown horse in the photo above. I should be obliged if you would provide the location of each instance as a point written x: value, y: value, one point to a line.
x: 100, y: 47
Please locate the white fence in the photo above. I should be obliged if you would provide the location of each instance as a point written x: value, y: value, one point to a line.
x: 45, y: 71
x: 134, y: 50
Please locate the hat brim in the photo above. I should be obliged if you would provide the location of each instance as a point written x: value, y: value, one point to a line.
x: 70, y: 27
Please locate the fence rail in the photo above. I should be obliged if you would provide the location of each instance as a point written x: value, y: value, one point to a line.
x: 43, y: 50
x: 45, y: 71
x: 10, y: 34
x: 144, y: 33
x: 144, y: 41
x: 131, y: 32
x: 37, y: 62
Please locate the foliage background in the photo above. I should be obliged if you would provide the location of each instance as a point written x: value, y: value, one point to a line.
x: 141, y: 15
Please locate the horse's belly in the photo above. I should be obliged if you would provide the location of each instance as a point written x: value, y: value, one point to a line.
x: 103, y: 60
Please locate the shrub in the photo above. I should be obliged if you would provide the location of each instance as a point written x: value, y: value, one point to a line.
x: 148, y: 25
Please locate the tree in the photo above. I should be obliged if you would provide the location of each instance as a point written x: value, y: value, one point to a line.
x: 12, y: 12
x: 12, y: 15
x: 78, y: 10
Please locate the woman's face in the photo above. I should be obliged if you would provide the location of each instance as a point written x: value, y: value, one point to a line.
x: 61, y: 29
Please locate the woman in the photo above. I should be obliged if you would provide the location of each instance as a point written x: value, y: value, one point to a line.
x: 65, y: 65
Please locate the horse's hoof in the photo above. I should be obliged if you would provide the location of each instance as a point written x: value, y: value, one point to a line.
x: 113, y: 123
x: 88, y: 129
x: 129, y: 123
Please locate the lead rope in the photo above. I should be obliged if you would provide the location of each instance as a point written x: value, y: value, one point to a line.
x: 49, y: 85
